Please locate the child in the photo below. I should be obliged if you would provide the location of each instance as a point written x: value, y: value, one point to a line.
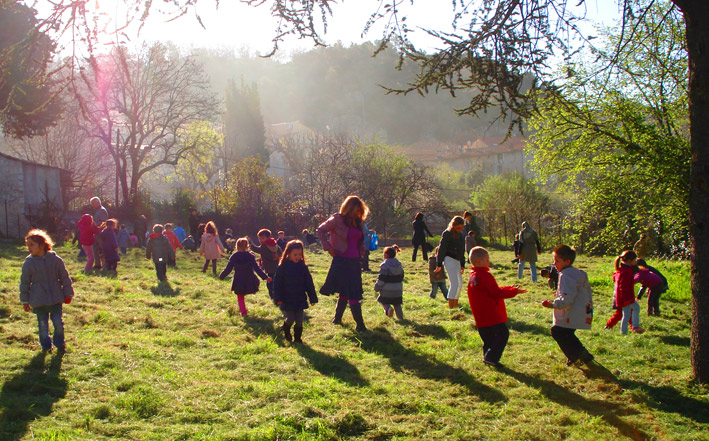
x: 573, y: 306
x: 87, y: 236
x: 292, y: 288
x: 123, y: 238
x: 174, y: 243
x: 133, y: 240
x: 189, y: 244
x: 310, y: 240
x: 244, y: 265
x: 389, y: 283
x: 44, y: 286
x: 281, y: 241
x: 110, y: 245
x: 270, y: 255
x: 487, y: 302
x: 161, y: 251
x: 180, y: 232
x: 550, y: 272
x: 470, y: 242
x: 211, y: 247
x: 516, y: 245
x: 624, y: 294
x: 228, y: 241
x: 652, y: 280
x: 438, y: 279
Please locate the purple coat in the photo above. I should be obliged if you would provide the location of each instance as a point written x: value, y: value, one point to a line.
x: 244, y: 265
x: 108, y: 238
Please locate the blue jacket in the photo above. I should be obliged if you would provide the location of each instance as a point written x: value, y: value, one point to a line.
x: 293, y: 286
x: 180, y: 233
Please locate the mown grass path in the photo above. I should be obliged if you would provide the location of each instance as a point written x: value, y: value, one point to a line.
x: 177, y: 362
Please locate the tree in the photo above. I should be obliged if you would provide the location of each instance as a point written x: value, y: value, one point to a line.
x: 28, y: 96
x: 139, y: 106
x: 244, y: 131
x: 621, y: 144
x: 200, y: 166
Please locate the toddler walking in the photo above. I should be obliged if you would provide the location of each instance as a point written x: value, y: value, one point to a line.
x: 292, y: 289
x: 487, y: 301
x: 389, y: 283
x: 438, y: 279
x: 158, y: 247
x: 110, y: 245
x: 245, y: 269
x: 44, y: 286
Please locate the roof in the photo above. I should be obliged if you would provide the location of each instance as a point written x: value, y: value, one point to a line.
x: 432, y: 150
x: 24, y: 161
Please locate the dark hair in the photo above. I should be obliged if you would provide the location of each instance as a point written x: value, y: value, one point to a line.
x: 264, y: 232
x: 40, y: 237
x: 626, y: 256
x: 466, y: 213
x: 565, y: 252
x: 390, y: 252
x: 419, y: 216
x: 294, y: 244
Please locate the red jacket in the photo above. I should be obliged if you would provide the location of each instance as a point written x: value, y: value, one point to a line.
x: 87, y: 230
x: 172, y: 238
x: 624, y: 291
x: 487, y: 300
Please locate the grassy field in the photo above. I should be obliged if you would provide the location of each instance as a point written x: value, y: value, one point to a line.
x: 177, y: 362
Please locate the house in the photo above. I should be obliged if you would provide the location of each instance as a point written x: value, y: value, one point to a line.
x: 33, y: 194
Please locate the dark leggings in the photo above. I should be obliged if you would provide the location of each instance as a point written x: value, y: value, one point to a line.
x: 294, y: 316
x: 206, y: 264
x: 423, y: 251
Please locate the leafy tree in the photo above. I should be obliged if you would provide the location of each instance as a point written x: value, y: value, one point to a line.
x: 621, y: 142
x: 200, y: 165
x: 139, y: 106
x: 28, y: 96
x: 508, y: 200
x: 245, y: 134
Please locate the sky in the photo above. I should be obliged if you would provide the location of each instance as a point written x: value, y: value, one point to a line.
x: 234, y: 25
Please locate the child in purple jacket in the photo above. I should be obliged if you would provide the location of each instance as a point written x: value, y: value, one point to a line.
x: 654, y: 283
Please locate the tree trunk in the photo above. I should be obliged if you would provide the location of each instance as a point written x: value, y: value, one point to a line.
x: 696, y: 15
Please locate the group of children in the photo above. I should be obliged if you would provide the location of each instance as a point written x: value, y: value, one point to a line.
x: 45, y: 284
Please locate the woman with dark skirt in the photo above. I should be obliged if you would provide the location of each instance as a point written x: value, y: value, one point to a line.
x: 419, y: 238
x: 342, y: 235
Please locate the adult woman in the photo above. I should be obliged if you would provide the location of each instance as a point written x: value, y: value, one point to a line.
x: 419, y: 238
x: 451, y: 255
x: 528, y: 249
x: 342, y: 235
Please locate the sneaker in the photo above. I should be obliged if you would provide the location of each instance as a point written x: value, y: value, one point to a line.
x: 390, y: 311
x: 638, y: 330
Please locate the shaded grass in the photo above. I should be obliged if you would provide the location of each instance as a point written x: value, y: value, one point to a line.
x: 175, y: 360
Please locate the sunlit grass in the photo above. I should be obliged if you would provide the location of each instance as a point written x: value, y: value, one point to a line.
x: 176, y: 361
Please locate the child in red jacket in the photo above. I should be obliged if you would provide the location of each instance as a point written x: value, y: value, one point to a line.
x: 487, y: 301
x: 624, y: 294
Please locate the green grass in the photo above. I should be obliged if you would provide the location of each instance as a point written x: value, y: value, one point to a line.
x: 176, y: 361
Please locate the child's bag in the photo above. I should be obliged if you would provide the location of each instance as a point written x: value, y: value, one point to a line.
x: 374, y: 242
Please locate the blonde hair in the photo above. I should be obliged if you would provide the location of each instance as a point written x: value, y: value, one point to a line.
x: 242, y: 244
x: 476, y: 254
x: 40, y: 237
x: 348, y: 210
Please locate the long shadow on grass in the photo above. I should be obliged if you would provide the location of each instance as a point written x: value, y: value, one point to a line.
x: 668, y: 399
x: 426, y: 367
x: 164, y: 289
x: 560, y: 395
x: 676, y: 340
x: 259, y: 326
x: 330, y: 366
x: 435, y: 331
x: 30, y: 395
x: 528, y: 328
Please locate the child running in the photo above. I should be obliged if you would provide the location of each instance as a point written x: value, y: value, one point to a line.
x: 270, y: 254
x: 487, y: 301
x: 573, y: 306
x: 292, y: 289
x: 389, y: 283
x: 624, y: 294
x: 174, y: 243
x: 44, y: 286
x: 158, y: 247
x: 210, y: 247
x: 244, y: 265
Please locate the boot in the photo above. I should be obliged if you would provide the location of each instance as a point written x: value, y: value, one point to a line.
x: 452, y: 303
x: 356, y: 309
x: 297, y: 333
x: 286, y: 331
x: 339, y: 310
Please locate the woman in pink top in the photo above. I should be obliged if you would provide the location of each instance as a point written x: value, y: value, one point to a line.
x: 342, y: 235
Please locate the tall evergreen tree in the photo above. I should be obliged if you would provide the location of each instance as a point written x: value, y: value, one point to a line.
x: 244, y: 130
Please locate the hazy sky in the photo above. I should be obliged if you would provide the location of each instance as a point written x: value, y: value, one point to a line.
x: 234, y: 25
